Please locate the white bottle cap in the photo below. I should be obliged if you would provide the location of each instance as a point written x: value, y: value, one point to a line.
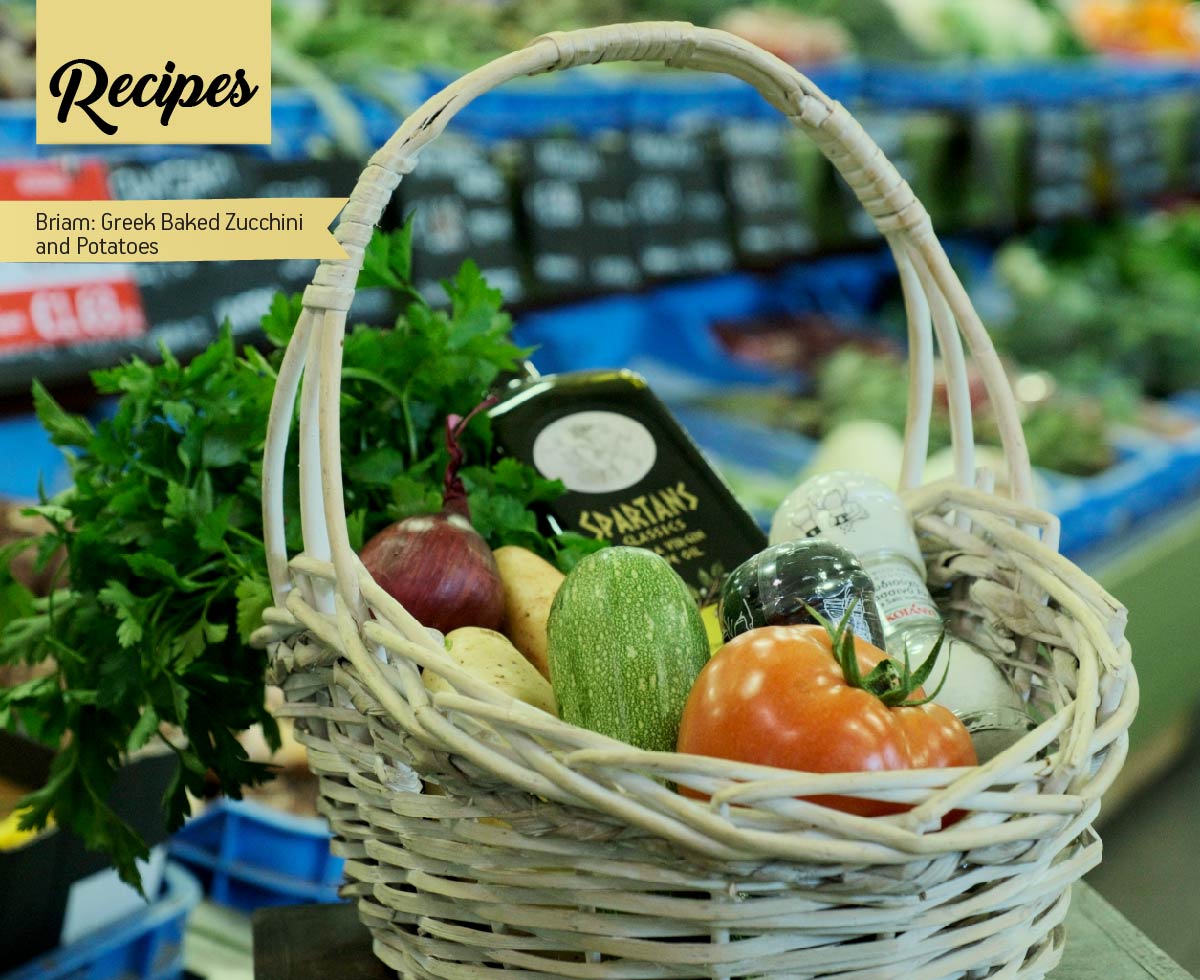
x: 859, y: 512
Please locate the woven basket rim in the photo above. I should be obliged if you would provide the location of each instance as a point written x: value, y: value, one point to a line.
x: 485, y: 875
x: 329, y: 617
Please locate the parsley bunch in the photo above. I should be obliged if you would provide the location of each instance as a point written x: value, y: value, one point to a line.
x: 163, y: 534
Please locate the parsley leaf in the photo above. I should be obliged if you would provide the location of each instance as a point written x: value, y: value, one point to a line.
x: 162, y: 530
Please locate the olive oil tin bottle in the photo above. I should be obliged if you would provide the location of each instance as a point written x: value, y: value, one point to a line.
x: 633, y: 475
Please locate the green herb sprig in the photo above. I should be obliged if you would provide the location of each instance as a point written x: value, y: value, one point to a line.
x: 163, y: 536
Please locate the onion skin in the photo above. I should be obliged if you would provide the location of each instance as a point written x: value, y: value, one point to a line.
x: 437, y: 566
x: 440, y: 569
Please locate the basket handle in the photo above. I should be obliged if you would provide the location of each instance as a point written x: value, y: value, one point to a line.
x: 936, y: 302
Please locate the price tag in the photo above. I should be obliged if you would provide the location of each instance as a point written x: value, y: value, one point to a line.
x: 766, y: 210
x: 573, y: 196
x: 460, y: 207
x: 58, y: 321
x: 1060, y: 164
x: 59, y: 312
x: 1136, y: 157
x: 677, y: 206
x: 70, y: 313
x: 186, y: 302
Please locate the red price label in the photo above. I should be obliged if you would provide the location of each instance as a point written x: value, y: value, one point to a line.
x: 54, y: 316
x: 51, y: 181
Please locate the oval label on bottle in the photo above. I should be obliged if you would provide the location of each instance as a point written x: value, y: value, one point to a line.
x: 595, y: 452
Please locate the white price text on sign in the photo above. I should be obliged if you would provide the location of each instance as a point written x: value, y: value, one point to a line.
x: 58, y: 315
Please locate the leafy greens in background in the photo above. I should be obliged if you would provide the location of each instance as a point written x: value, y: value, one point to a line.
x: 1106, y: 305
x: 1066, y: 433
x: 163, y: 535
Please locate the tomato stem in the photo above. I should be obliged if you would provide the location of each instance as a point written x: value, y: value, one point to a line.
x: 893, y: 683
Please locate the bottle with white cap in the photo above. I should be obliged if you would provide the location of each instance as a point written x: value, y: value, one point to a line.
x: 866, y: 517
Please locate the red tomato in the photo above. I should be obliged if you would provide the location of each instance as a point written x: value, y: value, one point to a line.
x: 777, y: 696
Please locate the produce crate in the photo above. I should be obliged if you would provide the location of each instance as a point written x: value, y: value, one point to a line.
x: 666, y: 333
x: 18, y: 126
x: 248, y: 856
x: 52, y: 887
x: 147, y: 944
x: 1151, y: 475
x: 683, y: 342
x: 1148, y: 477
x: 540, y: 106
x: 663, y: 334
x: 662, y: 101
x: 681, y: 102
x: 42, y: 463
x: 843, y: 286
x: 596, y: 333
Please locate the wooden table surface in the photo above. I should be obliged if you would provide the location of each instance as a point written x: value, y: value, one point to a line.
x: 322, y: 942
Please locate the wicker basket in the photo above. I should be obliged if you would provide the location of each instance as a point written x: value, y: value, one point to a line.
x: 542, y: 850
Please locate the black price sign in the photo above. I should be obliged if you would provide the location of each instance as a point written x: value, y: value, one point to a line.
x: 766, y: 210
x: 460, y: 208
x: 1136, y: 157
x: 679, y: 215
x: 573, y: 196
x: 1060, y: 163
x: 185, y: 302
x: 177, y: 296
x: 1191, y: 172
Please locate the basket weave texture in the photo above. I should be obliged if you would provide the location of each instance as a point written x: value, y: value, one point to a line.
x: 486, y: 838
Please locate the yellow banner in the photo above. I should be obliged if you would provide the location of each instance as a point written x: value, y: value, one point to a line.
x: 150, y: 71
x: 169, y: 231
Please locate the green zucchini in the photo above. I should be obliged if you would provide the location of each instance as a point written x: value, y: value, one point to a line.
x: 626, y: 643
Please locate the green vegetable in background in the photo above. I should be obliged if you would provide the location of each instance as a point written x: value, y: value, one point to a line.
x: 163, y: 534
x: 1104, y: 304
x: 1066, y: 433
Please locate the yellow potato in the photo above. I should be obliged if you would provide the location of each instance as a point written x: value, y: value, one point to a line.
x: 712, y: 627
x: 488, y: 656
x: 530, y: 584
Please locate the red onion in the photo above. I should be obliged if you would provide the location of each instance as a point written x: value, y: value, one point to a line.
x: 437, y: 565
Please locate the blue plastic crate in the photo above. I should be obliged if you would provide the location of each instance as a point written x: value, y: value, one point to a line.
x: 575, y: 103
x: 1045, y: 84
x: 1186, y: 401
x: 601, y: 333
x: 749, y: 445
x: 1144, y: 79
x: 681, y: 101
x: 248, y: 856
x: 843, y: 287
x: 1149, y: 476
x: 843, y: 81
x: 296, y: 123
x: 23, y: 438
x: 18, y: 130
x: 379, y: 120
x: 147, y: 944
x: 966, y: 85
x: 768, y: 459
x: 682, y: 334
x: 905, y: 86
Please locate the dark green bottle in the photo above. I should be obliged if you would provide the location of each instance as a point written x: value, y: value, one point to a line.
x: 777, y: 586
x: 633, y: 475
